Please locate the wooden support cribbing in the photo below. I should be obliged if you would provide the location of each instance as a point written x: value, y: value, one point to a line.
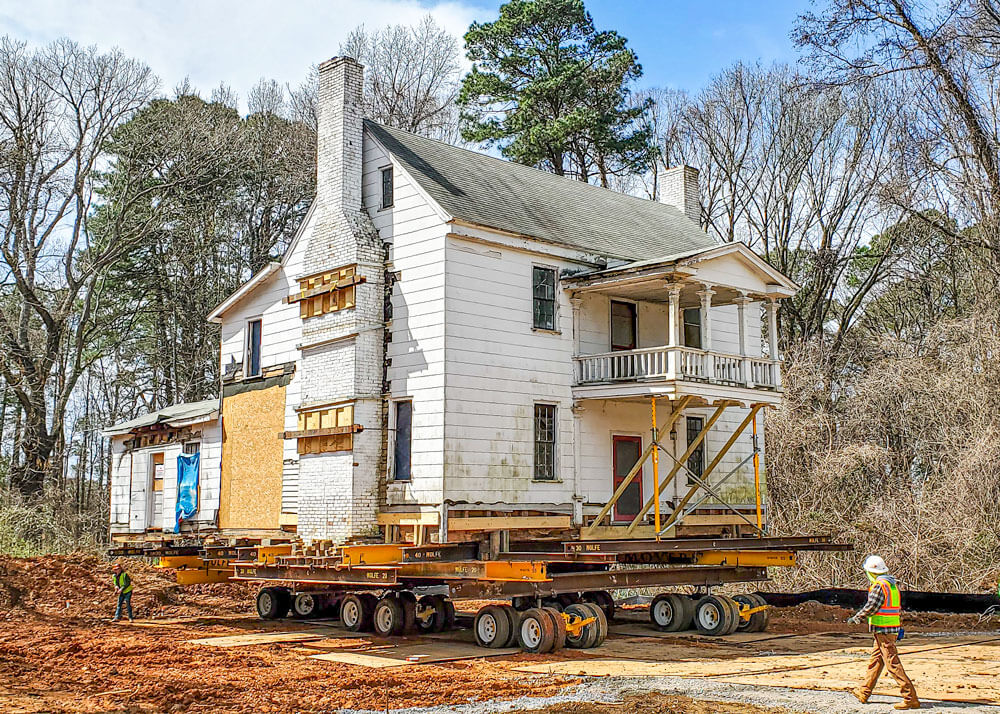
x: 677, y: 466
x: 674, y: 416
x: 715, y: 462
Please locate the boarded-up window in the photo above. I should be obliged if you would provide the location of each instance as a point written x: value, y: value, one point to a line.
x: 328, y: 292
x: 543, y: 303
x: 253, y: 348
x: 404, y: 435
x: 314, y: 435
x: 545, y: 442
x: 158, y: 471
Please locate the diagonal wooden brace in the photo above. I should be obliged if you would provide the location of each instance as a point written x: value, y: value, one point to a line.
x: 715, y: 462
x: 674, y: 416
x: 677, y: 466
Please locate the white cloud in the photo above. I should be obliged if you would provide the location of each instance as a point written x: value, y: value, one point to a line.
x: 222, y: 41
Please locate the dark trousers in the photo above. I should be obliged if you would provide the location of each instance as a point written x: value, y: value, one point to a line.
x: 126, y: 600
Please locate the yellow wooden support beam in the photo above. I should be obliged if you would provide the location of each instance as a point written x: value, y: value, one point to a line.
x: 375, y: 554
x: 674, y: 416
x: 421, y: 518
x: 494, y: 523
x: 747, y: 558
x: 751, y: 417
x: 677, y: 466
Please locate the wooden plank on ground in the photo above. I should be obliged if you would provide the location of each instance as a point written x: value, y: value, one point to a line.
x: 266, y: 638
x: 423, y: 652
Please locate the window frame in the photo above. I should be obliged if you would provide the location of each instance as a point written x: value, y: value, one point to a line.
x: 700, y: 325
x: 554, y: 299
x: 634, y: 306
x: 383, y: 172
x: 396, y: 442
x: 552, y: 444
x: 248, y: 347
x: 699, y: 453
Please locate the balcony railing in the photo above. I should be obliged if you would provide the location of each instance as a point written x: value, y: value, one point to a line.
x: 678, y: 363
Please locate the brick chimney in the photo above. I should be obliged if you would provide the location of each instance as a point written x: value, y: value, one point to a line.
x: 338, y: 164
x: 678, y: 187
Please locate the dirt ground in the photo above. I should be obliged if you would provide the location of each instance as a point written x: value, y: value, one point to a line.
x: 59, y: 653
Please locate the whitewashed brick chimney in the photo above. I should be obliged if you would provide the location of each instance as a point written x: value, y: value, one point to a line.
x: 339, y: 492
x: 678, y: 187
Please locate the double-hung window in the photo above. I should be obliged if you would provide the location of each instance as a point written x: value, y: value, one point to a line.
x: 623, y: 325
x: 386, y: 187
x: 401, y: 453
x: 543, y: 298
x: 696, y: 461
x: 692, y: 328
x: 252, y: 357
x: 545, y: 442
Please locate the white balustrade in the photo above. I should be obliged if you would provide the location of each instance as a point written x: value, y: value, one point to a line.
x: 653, y: 363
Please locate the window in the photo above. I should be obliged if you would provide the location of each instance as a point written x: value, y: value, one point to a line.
x: 543, y: 303
x: 545, y: 442
x: 692, y: 328
x: 192, y: 447
x: 387, y: 187
x: 696, y: 461
x: 404, y: 436
x: 253, y: 349
x: 623, y: 325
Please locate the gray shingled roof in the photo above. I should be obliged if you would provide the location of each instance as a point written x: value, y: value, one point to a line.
x: 178, y: 413
x: 500, y: 194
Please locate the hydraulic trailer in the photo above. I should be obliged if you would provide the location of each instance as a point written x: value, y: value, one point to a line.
x: 558, y: 591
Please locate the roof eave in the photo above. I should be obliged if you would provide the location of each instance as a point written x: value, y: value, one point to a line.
x: 244, y: 290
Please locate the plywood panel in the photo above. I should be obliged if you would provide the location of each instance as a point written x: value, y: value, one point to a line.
x: 252, y: 458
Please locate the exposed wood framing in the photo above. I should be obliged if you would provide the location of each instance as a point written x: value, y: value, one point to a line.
x: 675, y: 414
x: 329, y: 431
x: 327, y: 292
x: 325, y: 431
x: 488, y: 523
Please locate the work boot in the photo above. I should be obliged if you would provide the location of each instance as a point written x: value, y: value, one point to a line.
x: 860, y: 695
x: 907, y: 705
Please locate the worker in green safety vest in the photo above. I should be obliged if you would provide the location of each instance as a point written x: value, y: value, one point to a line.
x: 123, y: 589
x: 883, y: 610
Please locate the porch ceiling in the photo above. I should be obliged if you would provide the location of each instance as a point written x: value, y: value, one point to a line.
x: 655, y: 290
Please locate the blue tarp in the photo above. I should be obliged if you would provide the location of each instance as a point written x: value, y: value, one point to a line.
x: 187, y: 487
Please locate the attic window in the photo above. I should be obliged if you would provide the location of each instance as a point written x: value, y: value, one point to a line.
x: 387, y: 187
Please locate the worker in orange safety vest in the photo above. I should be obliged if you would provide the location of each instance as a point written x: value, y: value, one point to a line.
x: 883, y: 610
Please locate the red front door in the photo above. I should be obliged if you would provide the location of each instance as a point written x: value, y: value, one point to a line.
x: 626, y: 450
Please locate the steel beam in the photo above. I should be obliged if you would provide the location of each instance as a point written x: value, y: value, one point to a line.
x: 692, y: 545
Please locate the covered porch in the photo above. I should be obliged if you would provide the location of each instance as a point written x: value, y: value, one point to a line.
x: 709, y: 301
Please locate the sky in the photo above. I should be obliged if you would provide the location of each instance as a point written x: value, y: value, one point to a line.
x: 680, y: 43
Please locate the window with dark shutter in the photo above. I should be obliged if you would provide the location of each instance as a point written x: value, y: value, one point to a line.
x: 387, y: 187
x: 404, y: 438
x: 623, y: 325
x: 543, y: 291
x: 545, y: 442
x: 253, y: 349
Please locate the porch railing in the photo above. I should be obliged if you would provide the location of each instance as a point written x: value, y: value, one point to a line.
x: 684, y: 363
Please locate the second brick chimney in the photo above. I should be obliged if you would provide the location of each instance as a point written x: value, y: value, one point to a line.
x: 678, y: 187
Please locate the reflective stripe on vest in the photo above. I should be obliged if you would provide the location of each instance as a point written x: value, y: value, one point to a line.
x: 888, y: 614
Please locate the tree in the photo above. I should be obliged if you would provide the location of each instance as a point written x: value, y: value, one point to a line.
x: 59, y: 106
x: 411, y: 76
x: 552, y: 91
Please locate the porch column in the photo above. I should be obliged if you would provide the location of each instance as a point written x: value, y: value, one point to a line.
x: 746, y: 373
x: 772, y: 337
x: 706, y: 329
x: 673, y: 330
x: 575, y: 302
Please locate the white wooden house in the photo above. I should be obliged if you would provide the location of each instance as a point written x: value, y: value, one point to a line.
x: 453, y: 337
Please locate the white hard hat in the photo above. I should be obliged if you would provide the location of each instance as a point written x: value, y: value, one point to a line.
x: 875, y: 564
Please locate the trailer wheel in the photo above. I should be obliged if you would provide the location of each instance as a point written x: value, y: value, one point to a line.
x: 536, y: 633
x: 588, y: 635
x: 306, y: 605
x: 567, y: 599
x: 409, y: 603
x: 759, y: 620
x: 603, y: 599
x: 431, y: 615
x: 712, y: 616
x: 734, y: 612
x: 559, y: 625
x: 449, y: 614
x: 269, y: 601
x: 492, y: 627
x: 553, y: 603
x: 388, y: 618
x: 601, y: 623
x: 669, y: 612
x: 356, y: 613
x: 515, y: 621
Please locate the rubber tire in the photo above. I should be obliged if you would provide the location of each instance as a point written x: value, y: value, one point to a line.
x: 535, y: 633
x: 559, y: 624
x: 553, y: 603
x: 359, y: 613
x: 763, y: 618
x: 604, y: 600
x: 449, y: 614
x: 515, y: 620
x: 306, y: 606
x: 268, y: 603
x: 567, y: 599
x: 602, y: 623
x: 491, y: 627
x: 389, y: 618
x: 588, y: 635
x: 668, y: 612
x: 734, y: 613
x: 712, y: 616
x: 437, y: 621
x: 408, y: 602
